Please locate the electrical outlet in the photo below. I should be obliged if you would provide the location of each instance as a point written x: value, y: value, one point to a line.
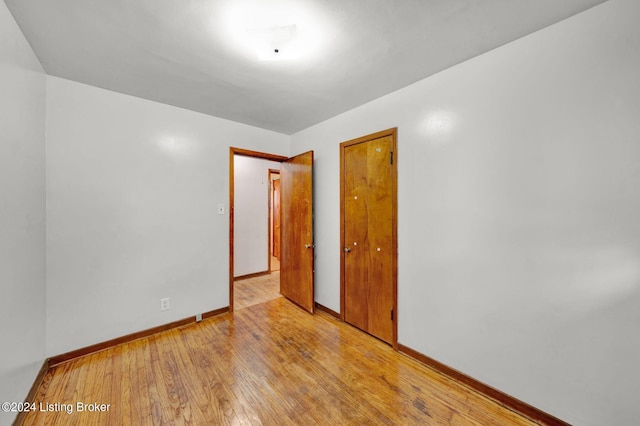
x: 220, y: 208
x: 198, y: 317
x: 165, y: 304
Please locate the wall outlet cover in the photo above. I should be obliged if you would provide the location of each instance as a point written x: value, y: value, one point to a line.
x: 165, y: 304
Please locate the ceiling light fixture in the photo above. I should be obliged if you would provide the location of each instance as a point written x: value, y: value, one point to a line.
x: 276, y: 43
x: 278, y: 30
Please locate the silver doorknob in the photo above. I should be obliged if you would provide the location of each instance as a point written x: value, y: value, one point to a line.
x: 347, y: 250
x: 307, y: 246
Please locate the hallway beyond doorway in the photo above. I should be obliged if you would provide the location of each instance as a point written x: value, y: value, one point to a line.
x: 256, y: 290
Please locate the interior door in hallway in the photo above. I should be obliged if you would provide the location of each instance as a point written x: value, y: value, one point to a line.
x: 296, y: 248
x: 369, y: 242
x: 275, y: 218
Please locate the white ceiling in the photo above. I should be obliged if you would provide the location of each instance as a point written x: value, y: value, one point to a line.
x: 190, y: 53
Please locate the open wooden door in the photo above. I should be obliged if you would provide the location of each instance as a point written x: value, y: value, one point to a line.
x: 296, y: 248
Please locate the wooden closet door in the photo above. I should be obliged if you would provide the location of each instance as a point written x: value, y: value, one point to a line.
x: 369, y: 248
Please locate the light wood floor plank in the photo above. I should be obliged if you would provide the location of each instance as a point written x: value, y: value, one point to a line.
x: 268, y: 363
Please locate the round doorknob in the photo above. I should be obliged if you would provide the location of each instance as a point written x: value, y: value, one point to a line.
x: 347, y: 250
x: 307, y: 246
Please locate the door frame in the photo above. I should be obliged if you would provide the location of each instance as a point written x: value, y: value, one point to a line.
x: 247, y: 153
x: 393, y: 132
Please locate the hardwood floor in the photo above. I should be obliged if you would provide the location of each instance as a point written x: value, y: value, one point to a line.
x: 271, y: 363
x: 252, y: 291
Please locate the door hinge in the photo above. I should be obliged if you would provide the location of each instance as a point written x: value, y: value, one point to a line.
x: 391, y: 314
x: 390, y: 157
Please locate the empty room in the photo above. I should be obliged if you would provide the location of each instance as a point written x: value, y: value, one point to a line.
x: 319, y: 212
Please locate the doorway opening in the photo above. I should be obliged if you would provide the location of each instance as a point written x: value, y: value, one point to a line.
x: 254, y: 239
x: 250, y: 239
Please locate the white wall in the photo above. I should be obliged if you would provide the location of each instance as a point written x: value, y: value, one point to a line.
x: 22, y: 210
x: 132, y: 194
x: 519, y: 238
x: 251, y: 214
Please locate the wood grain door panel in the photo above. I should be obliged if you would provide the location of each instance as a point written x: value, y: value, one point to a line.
x: 296, y: 231
x: 381, y: 250
x: 356, y: 242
